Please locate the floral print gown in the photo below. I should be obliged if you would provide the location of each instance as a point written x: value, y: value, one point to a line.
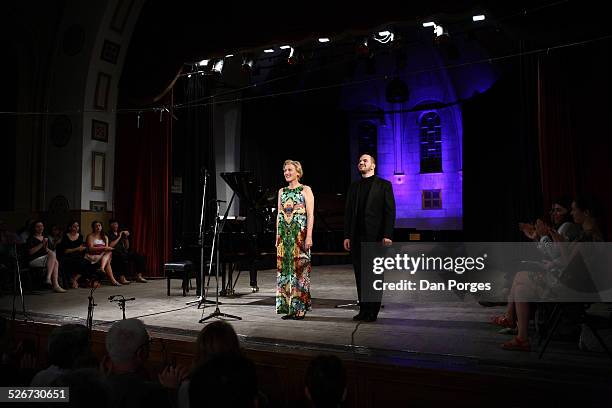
x: 292, y: 261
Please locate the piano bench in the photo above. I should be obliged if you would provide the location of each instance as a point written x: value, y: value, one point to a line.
x: 182, y: 270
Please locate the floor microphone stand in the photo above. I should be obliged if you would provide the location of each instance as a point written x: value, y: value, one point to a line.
x: 202, y: 295
x: 17, y: 285
x: 218, y: 229
x: 121, y: 302
x: 90, y: 309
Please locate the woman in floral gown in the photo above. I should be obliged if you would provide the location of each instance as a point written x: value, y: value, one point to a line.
x: 293, y: 242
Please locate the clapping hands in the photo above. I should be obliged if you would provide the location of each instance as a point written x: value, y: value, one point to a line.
x: 529, y: 230
x: 172, y: 377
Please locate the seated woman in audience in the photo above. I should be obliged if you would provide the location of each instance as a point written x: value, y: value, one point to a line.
x: 562, y: 222
x: 56, y: 237
x: 40, y: 256
x: 98, y: 251
x: 531, y: 284
x: 325, y: 382
x: 70, y: 251
x: 217, y: 338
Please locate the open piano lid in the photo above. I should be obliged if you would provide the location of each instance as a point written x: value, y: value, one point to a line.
x: 249, y: 191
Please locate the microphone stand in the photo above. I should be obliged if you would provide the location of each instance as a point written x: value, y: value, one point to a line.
x: 121, y: 302
x: 218, y: 228
x: 202, y: 296
x: 90, y: 309
x: 17, y: 284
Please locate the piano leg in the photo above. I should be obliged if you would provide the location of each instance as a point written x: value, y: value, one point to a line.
x: 253, y: 279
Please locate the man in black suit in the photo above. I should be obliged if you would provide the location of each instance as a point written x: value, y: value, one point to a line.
x: 369, y: 218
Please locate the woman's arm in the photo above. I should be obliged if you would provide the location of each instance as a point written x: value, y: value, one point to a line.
x: 309, y: 198
x: 36, y: 248
x: 107, y: 248
x: 278, y: 213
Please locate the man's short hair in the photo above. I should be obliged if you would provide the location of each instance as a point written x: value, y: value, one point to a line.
x: 111, y: 221
x: 369, y: 154
x: 125, y: 338
x: 326, y: 381
x: 66, y: 344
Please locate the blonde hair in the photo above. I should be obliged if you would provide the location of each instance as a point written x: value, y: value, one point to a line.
x: 297, y: 165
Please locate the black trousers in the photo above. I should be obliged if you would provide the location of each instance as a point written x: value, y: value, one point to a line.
x: 364, y: 278
x: 121, y: 261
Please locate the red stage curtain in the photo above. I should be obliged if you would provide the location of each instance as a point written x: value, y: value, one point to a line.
x: 142, y: 184
x: 556, y: 136
x: 574, y: 85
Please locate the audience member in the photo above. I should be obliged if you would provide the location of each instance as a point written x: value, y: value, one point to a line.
x: 70, y: 252
x: 88, y: 388
x: 17, y: 361
x: 24, y: 232
x: 67, y: 345
x: 40, y: 256
x: 55, y: 237
x: 98, y: 251
x: 215, y: 338
x: 532, y: 284
x: 8, y: 240
x: 325, y: 382
x: 127, y: 345
x: 231, y: 380
x: 123, y: 255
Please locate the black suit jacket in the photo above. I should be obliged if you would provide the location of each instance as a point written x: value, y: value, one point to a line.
x: 379, y: 212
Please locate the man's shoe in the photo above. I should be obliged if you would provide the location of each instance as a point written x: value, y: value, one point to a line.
x: 360, y: 316
x: 369, y: 318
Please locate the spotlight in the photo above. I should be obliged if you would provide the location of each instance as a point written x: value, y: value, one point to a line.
x: 204, y: 63
x: 439, y: 30
x: 189, y: 76
x: 229, y: 55
x: 268, y: 50
x: 285, y: 47
x: 293, y: 58
x: 247, y: 64
x: 324, y: 40
x: 218, y: 66
x: 480, y: 17
x: 384, y: 37
x: 429, y: 24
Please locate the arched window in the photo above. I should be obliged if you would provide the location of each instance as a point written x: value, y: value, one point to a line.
x: 431, y: 143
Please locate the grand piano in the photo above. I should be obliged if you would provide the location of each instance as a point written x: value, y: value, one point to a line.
x: 247, y: 242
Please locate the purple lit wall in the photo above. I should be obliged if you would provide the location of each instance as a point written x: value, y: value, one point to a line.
x: 399, y: 133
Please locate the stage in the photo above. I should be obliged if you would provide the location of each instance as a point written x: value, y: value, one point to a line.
x: 453, y: 334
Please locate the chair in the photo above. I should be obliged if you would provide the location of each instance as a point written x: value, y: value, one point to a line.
x: 182, y: 270
x: 29, y: 275
x: 576, y: 276
x: 561, y: 310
